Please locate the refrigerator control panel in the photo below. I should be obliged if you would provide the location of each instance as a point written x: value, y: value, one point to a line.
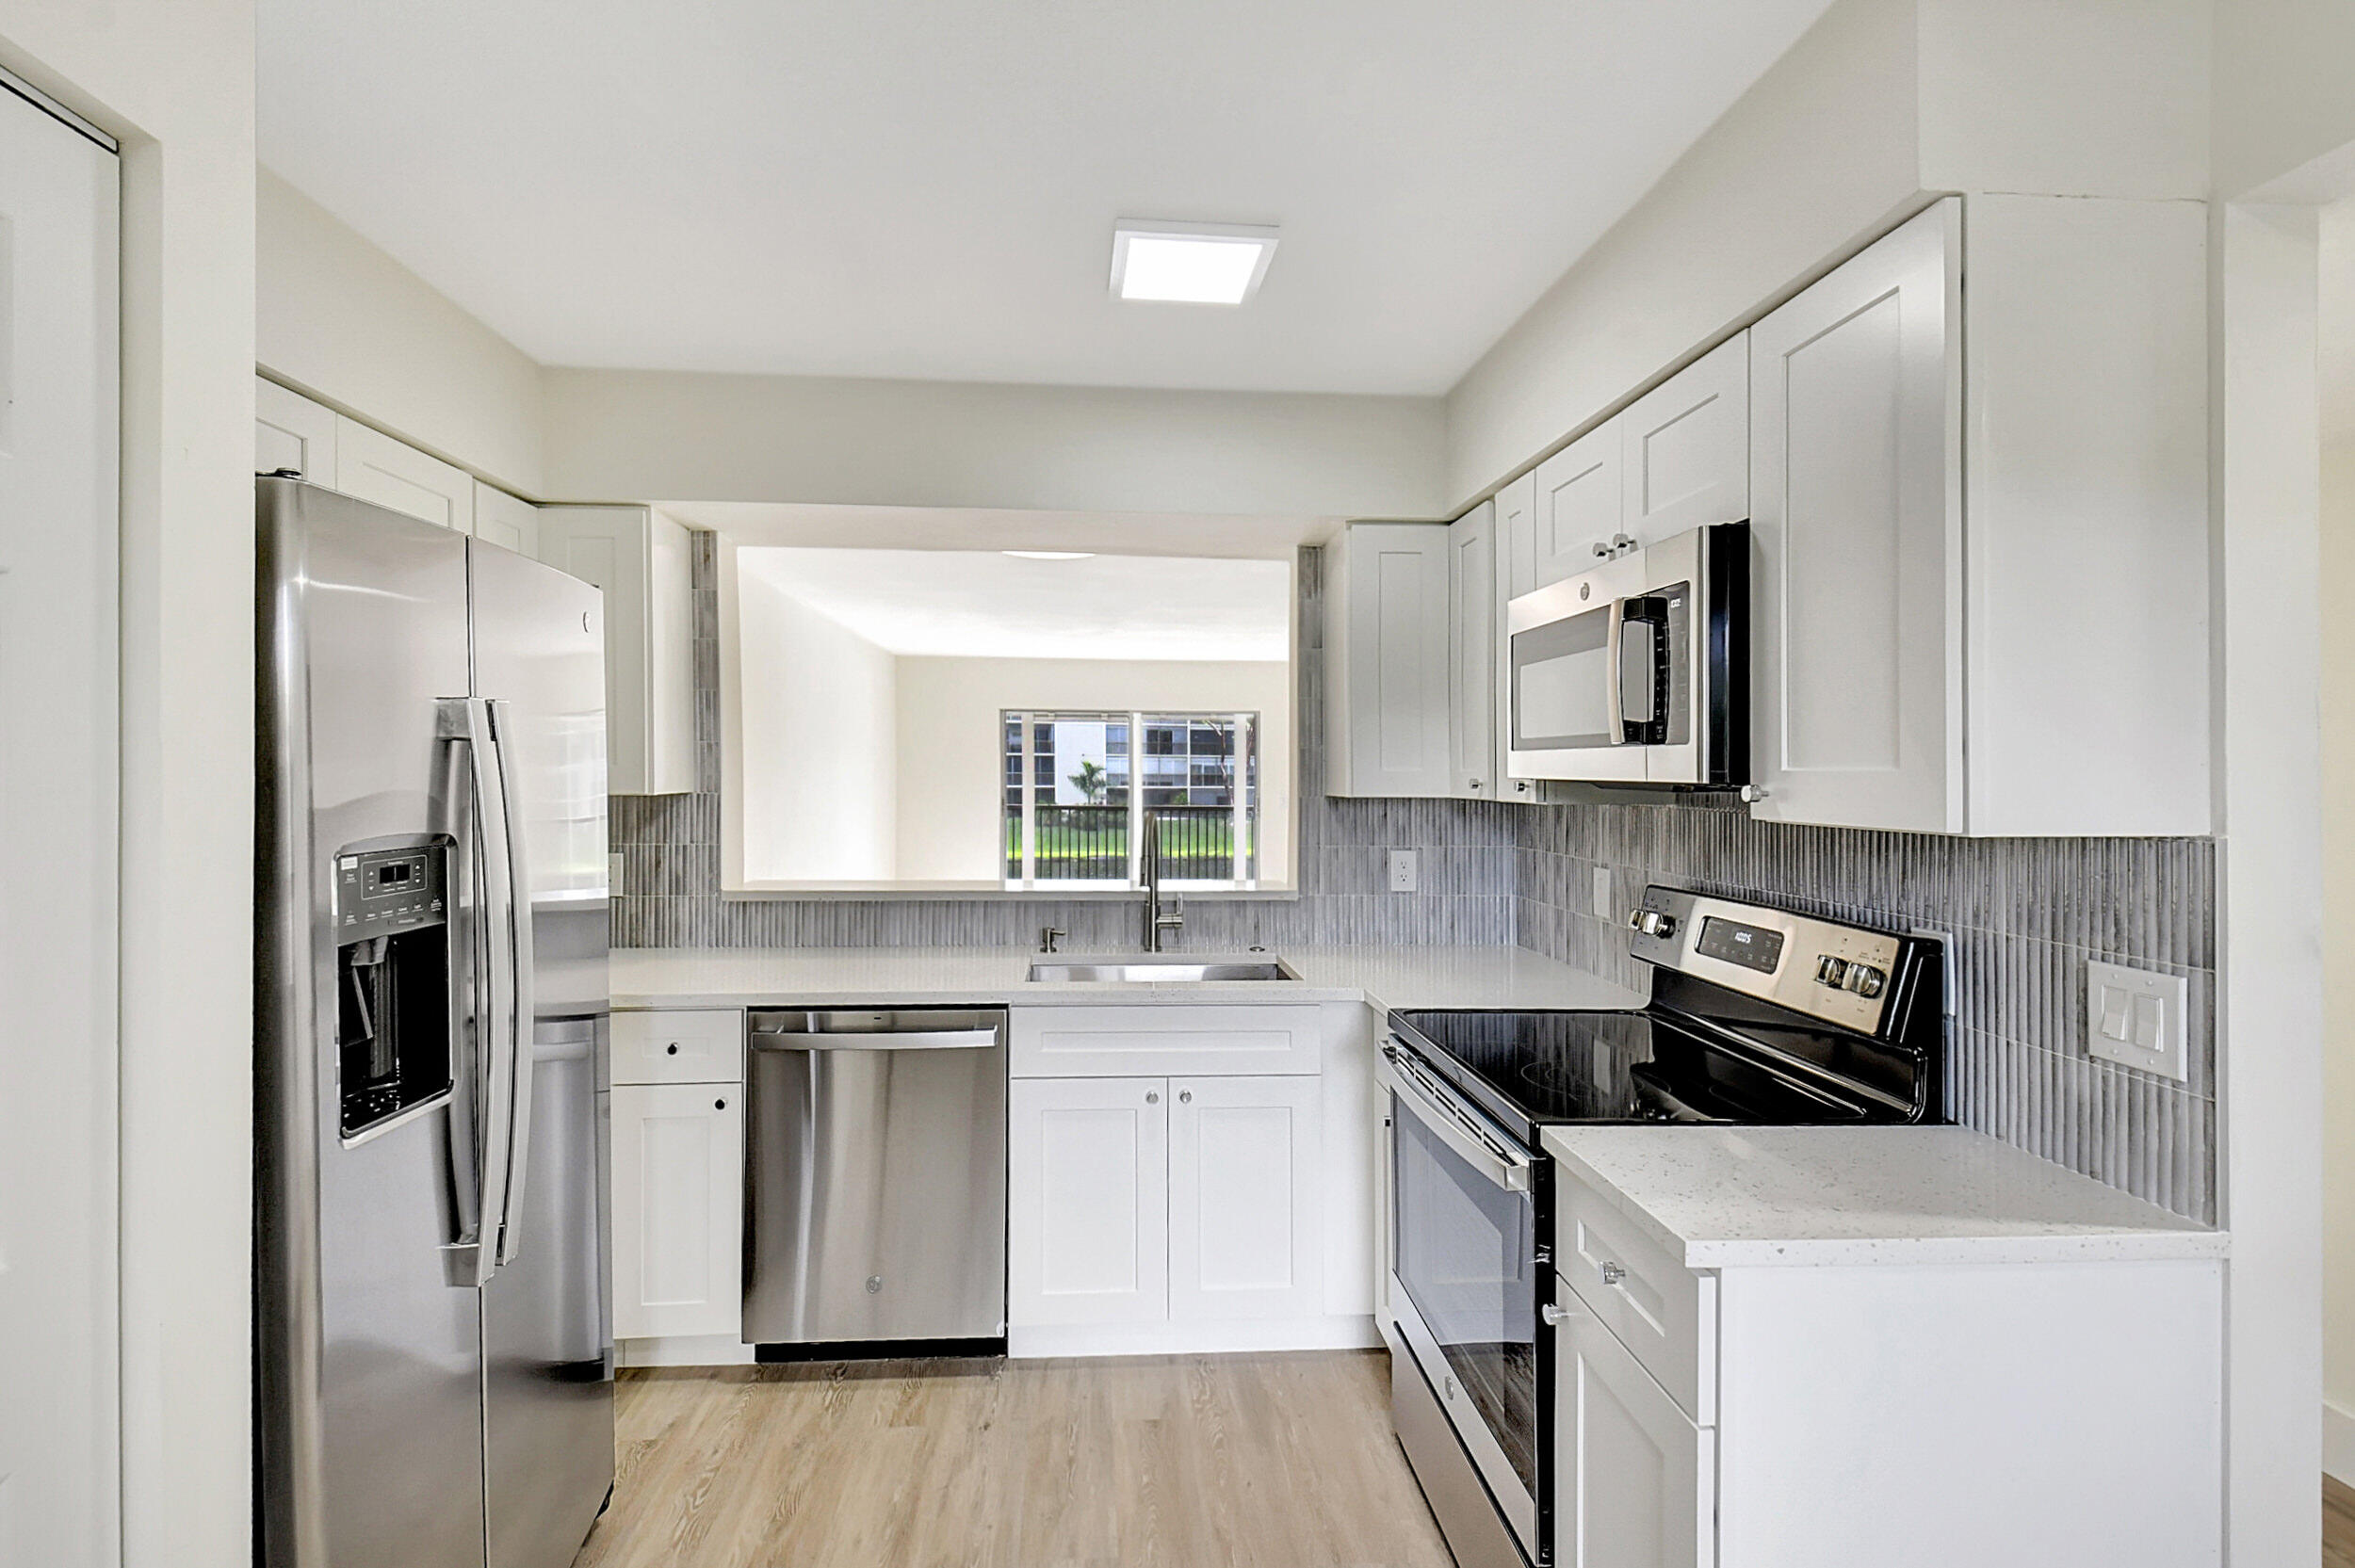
x: 382, y: 890
x: 392, y: 983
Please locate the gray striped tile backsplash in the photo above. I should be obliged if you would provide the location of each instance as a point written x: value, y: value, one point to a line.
x: 2024, y: 916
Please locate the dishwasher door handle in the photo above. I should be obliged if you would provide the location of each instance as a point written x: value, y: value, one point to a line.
x: 935, y: 1039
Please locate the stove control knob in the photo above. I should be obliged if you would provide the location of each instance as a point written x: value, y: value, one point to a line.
x: 1865, y: 980
x: 1652, y: 923
x: 1832, y: 971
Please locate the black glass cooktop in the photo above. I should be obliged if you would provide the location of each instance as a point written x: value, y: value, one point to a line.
x: 1530, y: 1069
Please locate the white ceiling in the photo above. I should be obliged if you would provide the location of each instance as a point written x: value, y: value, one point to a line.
x: 958, y: 604
x: 927, y: 189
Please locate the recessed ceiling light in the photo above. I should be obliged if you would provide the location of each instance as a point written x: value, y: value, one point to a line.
x: 1049, y: 555
x: 1190, y: 264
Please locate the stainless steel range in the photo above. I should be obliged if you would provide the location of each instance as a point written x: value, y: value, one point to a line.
x: 1757, y: 1016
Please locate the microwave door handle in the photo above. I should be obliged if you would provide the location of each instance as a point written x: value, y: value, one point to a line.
x: 1617, y: 719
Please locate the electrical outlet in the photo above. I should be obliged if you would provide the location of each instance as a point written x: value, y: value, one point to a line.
x: 2135, y: 1018
x: 1401, y: 870
x: 613, y: 874
x: 1603, y: 893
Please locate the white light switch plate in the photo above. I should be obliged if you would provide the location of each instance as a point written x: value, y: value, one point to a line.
x: 1603, y: 891
x: 2137, y: 1018
x: 1401, y: 870
x: 613, y: 874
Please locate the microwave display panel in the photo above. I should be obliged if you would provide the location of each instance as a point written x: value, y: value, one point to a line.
x: 1751, y: 946
x: 1562, y: 683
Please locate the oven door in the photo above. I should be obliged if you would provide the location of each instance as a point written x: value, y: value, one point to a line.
x: 1466, y: 1267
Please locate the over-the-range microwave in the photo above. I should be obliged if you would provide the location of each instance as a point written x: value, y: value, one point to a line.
x: 1637, y: 672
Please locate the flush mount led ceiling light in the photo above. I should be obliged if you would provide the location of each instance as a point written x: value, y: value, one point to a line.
x: 1190, y: 264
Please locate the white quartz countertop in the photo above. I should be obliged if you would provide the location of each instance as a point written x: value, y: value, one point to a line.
x: 1728, y: 1197
x: 918, y: 976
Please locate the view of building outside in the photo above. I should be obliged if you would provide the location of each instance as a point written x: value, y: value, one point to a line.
x: 1077, y: 787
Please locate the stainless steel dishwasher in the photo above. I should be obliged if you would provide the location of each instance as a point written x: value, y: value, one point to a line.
x: 875, y: 1178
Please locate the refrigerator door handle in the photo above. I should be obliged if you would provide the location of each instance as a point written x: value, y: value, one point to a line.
x: 514, y: 929
x: 467, y: 722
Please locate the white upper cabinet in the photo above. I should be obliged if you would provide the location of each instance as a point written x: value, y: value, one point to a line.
x: 639, y: 557
x: 375, y: 467
x: 292, y: 432
x: 1516, y: 537
x: 1686, y: 447
x: 1387, y: 661
x: 1472, y: 633
x: 1577, y: 505
x: 2032, y: 660
x: 505, y: 520
x: 1857, y: 518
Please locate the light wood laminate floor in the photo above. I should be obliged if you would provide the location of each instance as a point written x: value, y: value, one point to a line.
x: 2338, y: 1525
x: 1271, y: 1461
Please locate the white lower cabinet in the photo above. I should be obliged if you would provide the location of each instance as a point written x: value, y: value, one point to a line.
x: 1087, y: 1189
x: 1635, y: 1483
x: 1170, y: 1214
x: 1245, y: 1156
x: 679, y: 1197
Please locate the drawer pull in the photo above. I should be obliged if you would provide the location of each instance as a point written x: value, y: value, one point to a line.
x: 1613, y: 1273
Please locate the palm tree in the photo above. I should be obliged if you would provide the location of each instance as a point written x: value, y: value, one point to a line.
x: 1090, y: 781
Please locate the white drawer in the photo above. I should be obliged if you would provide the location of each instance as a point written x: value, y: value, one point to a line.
x: 704, y: 1047
x: 1663, y: 1312
x: 1145, y: 1040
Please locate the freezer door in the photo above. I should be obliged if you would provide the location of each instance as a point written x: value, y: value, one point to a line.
x: 539, y: 647
x: 547, y: 1334
x: 368, y: 1373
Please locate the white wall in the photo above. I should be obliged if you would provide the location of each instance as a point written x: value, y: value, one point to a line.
x: 338, y: 319
x: 1881, y: 104
x: 175, y: 83
x: 625, y: 435
x: 951, y: 740
x: 1813, y: 159
x: 819, y: 747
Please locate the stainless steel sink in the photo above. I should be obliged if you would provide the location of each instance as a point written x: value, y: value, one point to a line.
x: 1158, y: 971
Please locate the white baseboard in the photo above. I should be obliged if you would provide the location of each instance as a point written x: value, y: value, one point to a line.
x: 700, y: 1349
x: 2338, y: 1443
x: 1347, y: 1332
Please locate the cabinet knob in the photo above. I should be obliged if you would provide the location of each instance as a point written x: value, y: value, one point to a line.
x: 1185, y: 1096
x: 671, y: 1048
x: 1554, y: 1316
x: 719, y: 1104
x: 1152, y: 1096
x: 1613, y: 1273
x: 1475, y: 783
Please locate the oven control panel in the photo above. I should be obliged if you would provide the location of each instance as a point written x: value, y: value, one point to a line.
x: 1839, y: 974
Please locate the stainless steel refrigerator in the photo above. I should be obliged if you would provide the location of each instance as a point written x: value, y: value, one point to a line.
x: 433, y: 1366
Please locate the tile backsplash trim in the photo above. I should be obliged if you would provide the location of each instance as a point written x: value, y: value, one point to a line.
x: 2024, y: 916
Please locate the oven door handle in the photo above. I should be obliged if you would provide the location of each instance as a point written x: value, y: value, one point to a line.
x: 1457, y: 1126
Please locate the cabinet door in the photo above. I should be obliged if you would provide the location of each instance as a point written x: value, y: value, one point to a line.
x: 291, y: 431
x: 1635, y: 1481
x: 1245, y: 1208
x: 1386, y: 656
x: 641, y: 559
x: 678, y: 1204
x: 1473, y: 659
x: 1856, y: 522
x: 375, y: 467
x: 1087, y: 1222
x: 505, y: 520
x: 1516, y: 538
x: 1577, y: 505
x: 1685, y: 445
